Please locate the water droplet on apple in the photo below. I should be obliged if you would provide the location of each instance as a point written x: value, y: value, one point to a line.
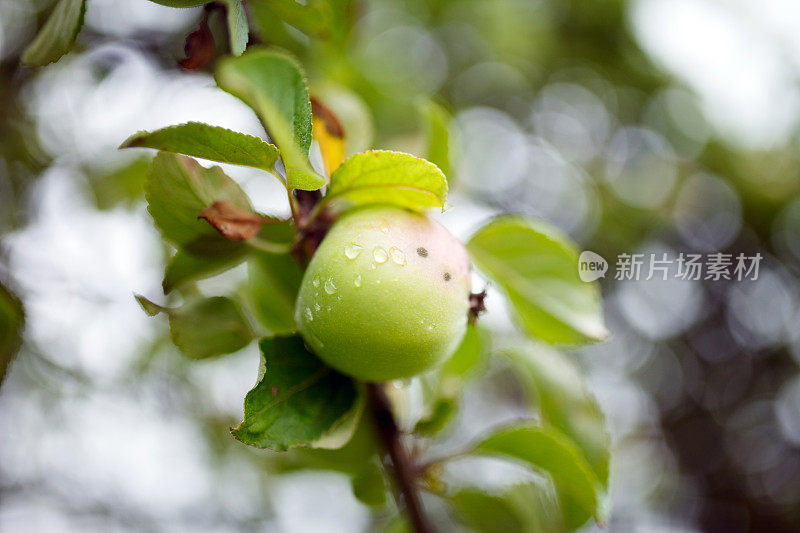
x: 398, y: 257
x: 351, y: 251
x: 330, y: 287
x: 380, y: 255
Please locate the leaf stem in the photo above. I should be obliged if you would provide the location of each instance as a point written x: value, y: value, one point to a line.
x: 403, y: 470
x: 294, y: 208
x: 268, y: 246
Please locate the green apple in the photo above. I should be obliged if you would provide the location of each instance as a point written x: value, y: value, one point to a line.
x: 386, y: 295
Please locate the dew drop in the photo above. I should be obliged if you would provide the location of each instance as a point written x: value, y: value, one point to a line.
x: 317, y: 307
x: 357, y: 281
x: 430, y: 327
x: 308, y: 314
x: 315, y: 282
x: 329, y: 308
x: 384, y: 227
x: 398, y: 257
x: 373, y: 266
x: 330, y: 288
x: 351, y: 251
x: 380, y: 255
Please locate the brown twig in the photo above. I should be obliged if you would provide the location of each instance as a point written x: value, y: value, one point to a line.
x: 310, y: 229
x: 402, y: 467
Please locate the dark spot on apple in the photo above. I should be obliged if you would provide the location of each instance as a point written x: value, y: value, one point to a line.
x: 422, y: 252
x: 447, y: 276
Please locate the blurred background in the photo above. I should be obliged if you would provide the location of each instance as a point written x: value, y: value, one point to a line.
x: 641, y: 126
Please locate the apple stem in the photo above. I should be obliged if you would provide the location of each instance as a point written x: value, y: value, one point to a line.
x: 477, y: 305
x: 402, y: 468
x: 312, y: 224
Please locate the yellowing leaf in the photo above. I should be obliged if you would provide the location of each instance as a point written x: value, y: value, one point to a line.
x: 329, y: 134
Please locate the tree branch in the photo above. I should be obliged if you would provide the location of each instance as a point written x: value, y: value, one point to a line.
x: 402, y: 468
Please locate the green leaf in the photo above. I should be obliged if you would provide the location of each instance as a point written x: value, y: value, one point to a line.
x: 273, y: 84
x: 297, y: 400
x: 556, y: 385
x: 208, y: 257
x: 206, y: 327
x: 177, y: 189
x: 273, y: 284
x: 330, y: 20
x: 343, y: 430
x: 445, y: 386
x: 12, y: 322
x: 238, y: 29
x: 385, y: 177
x: 437, y: 416
x: 550, y: 450
x: 524, y: 508
x: 361, y: 448
x: 398, y: 524
x: 150, y: 308
x: 537, y: 267
x: 369, y: 485
x: 209, y: 142
x: 180, y: 3
x: 185, y: 267
x: 440, y: 139
x: 57, y: 35
x: 121, y: 186
x: 209, y: 327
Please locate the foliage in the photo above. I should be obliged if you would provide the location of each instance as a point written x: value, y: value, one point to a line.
x: 525, y: 508
x: 274, y: 85
x: 393, y: 178
x: 298, y: 401
x: 58, y: 34
x: 12, y: 321
x: 208, y: 142
x: 535, y: 266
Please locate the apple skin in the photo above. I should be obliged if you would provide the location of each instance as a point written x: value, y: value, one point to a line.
x: 386, y: 295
